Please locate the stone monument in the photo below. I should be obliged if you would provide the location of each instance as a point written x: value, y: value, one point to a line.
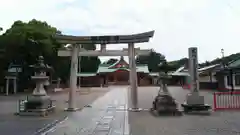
x: 194, y: 101
x: 39, y: 103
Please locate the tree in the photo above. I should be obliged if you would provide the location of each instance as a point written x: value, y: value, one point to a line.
x: 110, y: 61
x: 89, y: 64
x: 178, y: 63
x: 165, y: 67
x: 152, y: 60
x: 24, y: 42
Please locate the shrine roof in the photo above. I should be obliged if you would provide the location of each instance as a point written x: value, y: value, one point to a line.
x: 180, y: 74
x: 86, y: 74
x: 139, y: 68
x: 235, y: 63
x: 154, y: 74
x: 171, y: 73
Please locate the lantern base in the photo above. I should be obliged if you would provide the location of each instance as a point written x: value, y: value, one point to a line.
x: 165, y: 104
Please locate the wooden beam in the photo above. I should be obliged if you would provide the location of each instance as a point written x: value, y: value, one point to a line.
x: 68, y: 41
x: 148, y: 34
x: 67, y: 53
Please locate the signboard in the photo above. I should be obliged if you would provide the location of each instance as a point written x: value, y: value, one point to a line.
x: 22, y: 105
x: 193, y: 67
x: 67, y: 53
x: 104, y: 39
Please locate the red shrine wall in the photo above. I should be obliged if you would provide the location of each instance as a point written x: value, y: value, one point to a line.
x: 120, y: 77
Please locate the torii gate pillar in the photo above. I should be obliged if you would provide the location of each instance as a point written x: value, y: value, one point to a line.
x: 133, y: 77
x: 73, y: 78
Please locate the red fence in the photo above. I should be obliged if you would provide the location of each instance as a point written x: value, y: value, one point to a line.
x: 226, y: 100
x: 186, y: 86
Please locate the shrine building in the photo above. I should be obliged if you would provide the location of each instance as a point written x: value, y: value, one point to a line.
x: 115, y: 74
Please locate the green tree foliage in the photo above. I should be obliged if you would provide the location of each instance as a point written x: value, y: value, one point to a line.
x: 153, y: 60
x: 165, y: 67
x: 24, y: 42
x: 110, y: 61
x: 178, y: 63
x: 89, y: 64
x: 225, y: 60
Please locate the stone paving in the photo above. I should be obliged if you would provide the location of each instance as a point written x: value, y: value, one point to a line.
x: 107, y: 116
x: 16, y: 125
x: 218, y: 123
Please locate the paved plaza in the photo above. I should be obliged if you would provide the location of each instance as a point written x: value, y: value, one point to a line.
x: 26, y: 125
x: 218, y: 123
x: 108, y: 115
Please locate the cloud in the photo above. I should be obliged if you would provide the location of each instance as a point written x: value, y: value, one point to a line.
x: 179, y: 24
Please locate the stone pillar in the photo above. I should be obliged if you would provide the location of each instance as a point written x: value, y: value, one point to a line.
x: 193, y: 69
x: 58, y: 82
x: 73, y: 78
x: 15, y: 85
x: 133, y: 76
x: 79, y: 71
x: 106, y: 80
x: 115, y: 78
x: 194, y: 98
x: 7, y: 86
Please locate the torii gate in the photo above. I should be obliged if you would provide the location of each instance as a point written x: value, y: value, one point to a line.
x: 76, y: 51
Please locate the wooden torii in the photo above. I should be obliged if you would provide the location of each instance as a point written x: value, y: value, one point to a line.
x: 75, y: 51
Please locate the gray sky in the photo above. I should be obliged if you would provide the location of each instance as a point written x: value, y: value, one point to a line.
x: 207, y: 24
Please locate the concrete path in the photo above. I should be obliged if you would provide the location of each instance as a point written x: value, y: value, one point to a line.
x: 108, y: 115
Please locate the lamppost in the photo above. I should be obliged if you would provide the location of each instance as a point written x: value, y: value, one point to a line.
x: 222, y: 51
x: 223, y: 63
x: 231, y: 77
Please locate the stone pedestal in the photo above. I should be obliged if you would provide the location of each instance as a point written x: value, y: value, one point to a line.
x: 195, y: 99
x: 164, y: 103
x: 39, y: 103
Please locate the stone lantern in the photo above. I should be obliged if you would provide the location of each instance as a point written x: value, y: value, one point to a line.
x: 163, y: 77
x: 39, y: 102
x: 164, y: 102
